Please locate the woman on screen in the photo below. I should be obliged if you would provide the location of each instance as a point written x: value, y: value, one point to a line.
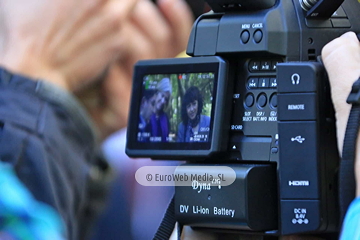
x: 160, y: 126
x: 194, y: 127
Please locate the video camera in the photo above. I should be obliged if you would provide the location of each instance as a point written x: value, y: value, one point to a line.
x: 254, y: 97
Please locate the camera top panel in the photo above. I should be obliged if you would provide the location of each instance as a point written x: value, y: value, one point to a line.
x: 239, y: 5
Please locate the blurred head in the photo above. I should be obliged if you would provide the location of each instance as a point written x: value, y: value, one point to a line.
x: 192, y: 104
x: 163, y: 94
x: 147, y: 104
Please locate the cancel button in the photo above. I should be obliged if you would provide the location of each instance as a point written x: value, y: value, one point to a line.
x: 298, y: 106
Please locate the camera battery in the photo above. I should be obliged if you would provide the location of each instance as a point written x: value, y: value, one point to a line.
x: 249, y: 203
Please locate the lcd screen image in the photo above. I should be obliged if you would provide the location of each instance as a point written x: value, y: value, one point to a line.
x: 176, y: 108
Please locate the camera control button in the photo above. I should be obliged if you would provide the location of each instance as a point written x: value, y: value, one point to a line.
x: 273, y: 64
x: 249, y: 100
x: 273, y: 101
x: 264, y: 82
x: 258, y: 35
x: 262, y: 100
x: 273, y: 83
x: 340, y: 13
x: 254, y: 66
x: 265, y: 65
x: 245, y: 36
x: 318, y: 23
x: 253, y: 83
x: 341, y: 23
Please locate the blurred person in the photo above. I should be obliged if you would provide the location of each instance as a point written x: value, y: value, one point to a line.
x: 153, y: 31
x: 46, y: 135
x: 159, y: 121
x: 21, y: 216
x: 158, y: 30
x: 193, y: 122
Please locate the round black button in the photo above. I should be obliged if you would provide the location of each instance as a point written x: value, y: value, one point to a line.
x: 262, y: 100
x: 258, y: 35
x: 249, y: 100
x: 245, y: 36
x: 273, y: 101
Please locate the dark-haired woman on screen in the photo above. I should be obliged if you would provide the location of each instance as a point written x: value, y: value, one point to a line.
x: 194, y: 127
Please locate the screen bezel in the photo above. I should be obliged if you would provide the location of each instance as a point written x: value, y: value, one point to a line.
x: 174, y: 150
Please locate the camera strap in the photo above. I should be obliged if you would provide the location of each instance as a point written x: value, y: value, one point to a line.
x: 347, y: 174
x: 168, y: 223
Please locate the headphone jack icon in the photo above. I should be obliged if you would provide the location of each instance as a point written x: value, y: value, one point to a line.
x: 295, y: 79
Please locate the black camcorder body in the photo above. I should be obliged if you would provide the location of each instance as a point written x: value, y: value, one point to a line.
x: 254, y: 97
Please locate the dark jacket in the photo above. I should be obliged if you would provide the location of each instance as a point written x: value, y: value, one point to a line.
x: 48, y: 138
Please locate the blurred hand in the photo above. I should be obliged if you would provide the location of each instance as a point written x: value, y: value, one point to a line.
x: 341, y: 58
x: 157, y: 31
x: 153, y: 31
x: 67, y: 42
